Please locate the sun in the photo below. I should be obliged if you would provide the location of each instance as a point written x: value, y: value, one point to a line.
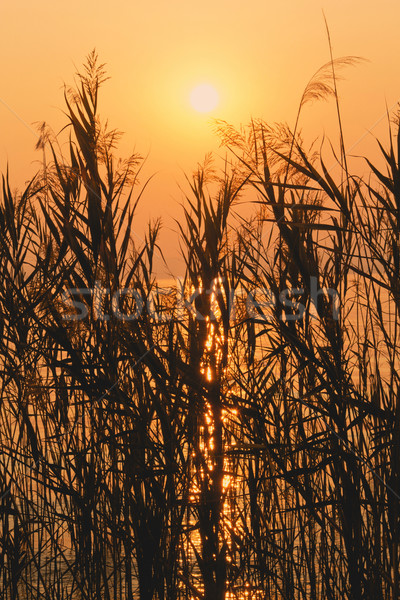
x: 204, y: 98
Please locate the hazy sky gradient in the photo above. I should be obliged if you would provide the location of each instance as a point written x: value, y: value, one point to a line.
x: 259, y: 56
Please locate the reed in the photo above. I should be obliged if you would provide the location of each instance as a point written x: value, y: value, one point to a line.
x: 226, y: 451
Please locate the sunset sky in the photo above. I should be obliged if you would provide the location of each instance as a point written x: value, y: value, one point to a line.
x: 257, y: 55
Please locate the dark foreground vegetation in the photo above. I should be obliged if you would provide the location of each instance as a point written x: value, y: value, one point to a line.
x: 216, y: 449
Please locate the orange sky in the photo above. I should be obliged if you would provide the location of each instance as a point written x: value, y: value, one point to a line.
x: 259, y: 55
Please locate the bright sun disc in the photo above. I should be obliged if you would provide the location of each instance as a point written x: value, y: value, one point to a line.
x: 204, y: 98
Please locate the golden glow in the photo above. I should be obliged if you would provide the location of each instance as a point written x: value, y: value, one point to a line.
x: 204, y: 98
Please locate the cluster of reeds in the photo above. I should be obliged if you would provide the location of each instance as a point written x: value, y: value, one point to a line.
x: 229, y: 449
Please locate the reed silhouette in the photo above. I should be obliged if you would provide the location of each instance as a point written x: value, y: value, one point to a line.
x: 237, y: 447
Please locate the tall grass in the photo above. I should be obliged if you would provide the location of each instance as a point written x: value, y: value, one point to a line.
x: 227, y: 450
